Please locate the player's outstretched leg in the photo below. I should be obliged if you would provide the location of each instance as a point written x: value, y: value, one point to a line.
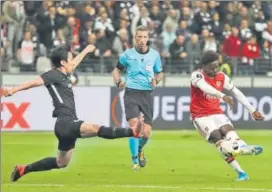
x: 93, y: 130
x: 45, y: 164
x: 217, y: 138
x: 230, y: 134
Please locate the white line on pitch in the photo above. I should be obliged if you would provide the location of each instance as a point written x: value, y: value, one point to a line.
x: 141, y: 186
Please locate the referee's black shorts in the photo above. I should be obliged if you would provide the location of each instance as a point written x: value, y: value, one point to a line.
x: 137, y: 101
x: 67, y: 130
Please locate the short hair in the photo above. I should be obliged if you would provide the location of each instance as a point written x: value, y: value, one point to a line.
x: 209, y: 57
x: 141, y: 28
x: 58, y: 54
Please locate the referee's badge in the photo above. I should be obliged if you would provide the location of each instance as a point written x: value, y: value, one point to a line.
x: 148, y: 67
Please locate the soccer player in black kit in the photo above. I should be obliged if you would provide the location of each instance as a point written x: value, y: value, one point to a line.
x: 68, y: 128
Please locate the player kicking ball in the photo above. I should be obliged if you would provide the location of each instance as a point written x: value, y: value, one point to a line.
x: 209, y: 119
x: 68, y: 128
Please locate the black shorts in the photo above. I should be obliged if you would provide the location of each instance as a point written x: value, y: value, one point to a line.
x: 67, y: 130
x: 137, y: 101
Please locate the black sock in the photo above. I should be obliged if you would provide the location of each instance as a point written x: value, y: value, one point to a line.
x: 114, y: 133
x: 42, y: 165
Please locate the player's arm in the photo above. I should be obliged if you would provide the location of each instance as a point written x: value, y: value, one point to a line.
x: 228, y: 85
x: 116, y: 73
x: 158, y: 70
x: 24, y: 86
x: 197, y: 80
x: 88, y: 49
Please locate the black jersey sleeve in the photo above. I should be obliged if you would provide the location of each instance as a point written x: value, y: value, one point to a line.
x: 50, y: 77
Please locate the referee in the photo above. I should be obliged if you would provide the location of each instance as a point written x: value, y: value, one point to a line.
x: 142, y: 68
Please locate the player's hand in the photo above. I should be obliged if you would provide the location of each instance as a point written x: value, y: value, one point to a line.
x: 8, y: 92
x: 229, y: 101
x: 90, y: 48
x: 257, y: 116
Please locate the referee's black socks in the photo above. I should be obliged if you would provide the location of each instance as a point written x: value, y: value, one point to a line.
x: 114, y: 133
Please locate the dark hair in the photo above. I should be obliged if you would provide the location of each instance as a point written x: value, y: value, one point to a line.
x: 58, y: 54
x: 209, y: 57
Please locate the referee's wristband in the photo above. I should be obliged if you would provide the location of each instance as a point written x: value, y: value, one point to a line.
x: 118, y: 83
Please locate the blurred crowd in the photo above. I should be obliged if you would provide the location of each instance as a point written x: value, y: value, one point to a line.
x: 180, y: 30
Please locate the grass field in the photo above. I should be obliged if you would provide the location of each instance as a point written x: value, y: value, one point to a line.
x: 177, y: 161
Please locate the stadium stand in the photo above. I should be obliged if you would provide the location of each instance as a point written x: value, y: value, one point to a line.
x: 180, y: 30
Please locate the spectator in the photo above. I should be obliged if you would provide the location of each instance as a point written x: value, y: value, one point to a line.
x: 104, y: 22
x: 43, y: 11
x: 102, y: 44
x: 136, y: 8
x: 243, y: 15
x: 157, y: 17
x: 267, y: 34
x: 266, y: 52
x: 14, y: 14
x: 217, y: 26
x: 213, y: 7
x: 254, y: 9
x: 210, y: 44
x: 179, y: 54
x: 183, y: 29
x: 193, y: 49
x: 196, y: 6
x: 86, y: 29
x: 188, y: 16
x: 250, y: 51
x: 39, y: 48
x: 142, y: 19
x: 259, y: 25
x: 167, y: 6
x: 232, y: 48
x: 60, y: 38
x: 168, y: 36
x: 88, y: 12
x: 172, y: 19
x: 121, y: 43
x: 203, y: 18
x: 48, y: 27
x: 204, y: 36
x: 226, y: 33
x: 110, y: 9
x: 71, y: 31
x: 26, y: 53
x: 245, y: 31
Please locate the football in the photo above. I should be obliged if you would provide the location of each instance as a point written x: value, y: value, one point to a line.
x: 229, y: 148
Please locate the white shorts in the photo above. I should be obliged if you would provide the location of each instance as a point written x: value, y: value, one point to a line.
x: 206, y: 125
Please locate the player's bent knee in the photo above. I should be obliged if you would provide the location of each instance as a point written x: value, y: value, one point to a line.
x: 132, y: 121
x: 215, y: 136
x: 62, y: 164
x: 225, y: 129
x: 64, y: 158
x: 89, y: 130
x: 147, y: 130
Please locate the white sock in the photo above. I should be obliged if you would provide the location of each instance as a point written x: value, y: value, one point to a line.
x: 233, y: 136
x: 234, y: 164
x: 230, y: 160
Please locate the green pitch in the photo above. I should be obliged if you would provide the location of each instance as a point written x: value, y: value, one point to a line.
x: 177, y: 161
